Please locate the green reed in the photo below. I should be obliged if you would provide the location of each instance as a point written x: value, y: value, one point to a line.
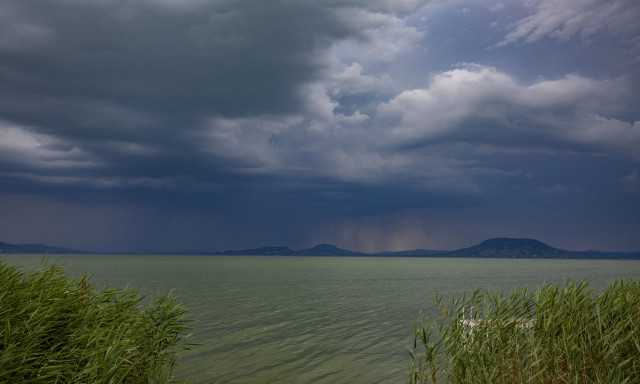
x: 555, y: 334
x: 55, y: 329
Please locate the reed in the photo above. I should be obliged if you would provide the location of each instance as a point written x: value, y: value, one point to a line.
x: 554, y: 334
x: 55, y: 329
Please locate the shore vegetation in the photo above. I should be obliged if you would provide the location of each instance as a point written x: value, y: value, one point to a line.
x: 56, y: 329
x: 557, y: 333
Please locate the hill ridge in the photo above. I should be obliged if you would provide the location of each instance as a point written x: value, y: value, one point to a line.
x: 498, y: 247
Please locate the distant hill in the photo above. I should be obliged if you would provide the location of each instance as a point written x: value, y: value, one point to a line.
x: 508, y: 247
x: 36, y: 248
x: 530, y: 248
x: 328, y: 250
x: 318, y: 250
x: 502, y: 247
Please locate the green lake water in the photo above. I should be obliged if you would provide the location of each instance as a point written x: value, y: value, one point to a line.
x: 315, y: 319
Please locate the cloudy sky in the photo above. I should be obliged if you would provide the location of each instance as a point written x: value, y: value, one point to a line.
x: 197, y: 125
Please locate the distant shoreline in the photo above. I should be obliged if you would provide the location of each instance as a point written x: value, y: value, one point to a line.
x: 496, y: 248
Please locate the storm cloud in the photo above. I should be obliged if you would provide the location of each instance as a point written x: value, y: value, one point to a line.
x: 200, y: 125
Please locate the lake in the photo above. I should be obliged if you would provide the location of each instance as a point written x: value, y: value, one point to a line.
x: 315, y: 319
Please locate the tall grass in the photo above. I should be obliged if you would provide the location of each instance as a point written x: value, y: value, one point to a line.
x: 54, y: 329
x: 554, y: 334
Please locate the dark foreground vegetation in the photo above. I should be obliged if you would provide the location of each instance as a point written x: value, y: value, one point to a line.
x: 555, y: 334
x: 54, y: 329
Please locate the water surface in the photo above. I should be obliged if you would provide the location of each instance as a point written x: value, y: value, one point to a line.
x: 316, y: 319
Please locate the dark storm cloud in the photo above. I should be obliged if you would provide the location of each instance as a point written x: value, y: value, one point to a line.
x: 120, y: 83
x: 120, y: 59
x: 174, y: 125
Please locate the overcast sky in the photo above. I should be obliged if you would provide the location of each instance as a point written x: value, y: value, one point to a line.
x: 199, y: 125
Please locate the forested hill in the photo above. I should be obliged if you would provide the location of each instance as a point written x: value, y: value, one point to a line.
x: 530, y: 248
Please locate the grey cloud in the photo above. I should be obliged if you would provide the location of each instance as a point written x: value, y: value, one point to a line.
x: 631, y: 183
x: 383, y: 37
x: 131, y: 84
x: 496, y: 7
x: 631, y: 178
x: 473, y: 104
x: 564, y: 19
x: 27, y: 149
x: 482, y: 105
x: 337, y: 150
x: 225, y: 57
